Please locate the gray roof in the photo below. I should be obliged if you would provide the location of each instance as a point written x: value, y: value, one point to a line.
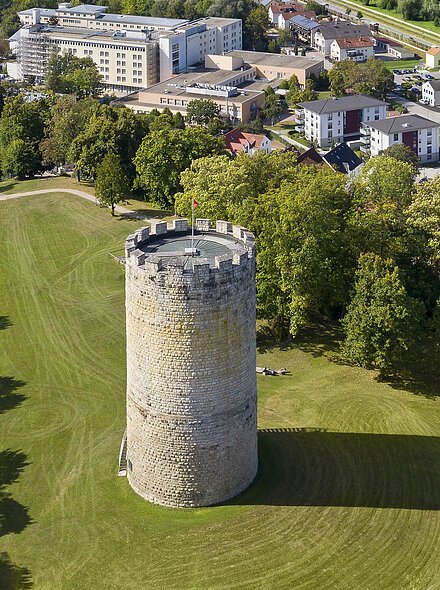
x: 341, y: 29
x: 304, y: 22
x: 435, y: 84
x: 345, y: 103
x: 276, y: 59
x: 84, y: 9
x: 402, y: 124
x: 43, y: 11
x: 147, y: 21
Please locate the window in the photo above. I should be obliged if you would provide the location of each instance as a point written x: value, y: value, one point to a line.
x: 376, y: 117
x: 429, y: 149
x: 395, y: 136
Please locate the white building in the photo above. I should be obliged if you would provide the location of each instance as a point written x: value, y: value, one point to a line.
x: 431, y: 92
x: 330, y: 121
x: 327, y: 32
x: 432, y: 58
x: 355, y: 48
x: 131, y: 52
x: 418, y: 133
x: 238, y: 142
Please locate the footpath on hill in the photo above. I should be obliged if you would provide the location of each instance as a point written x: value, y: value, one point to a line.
x: 118, y: 209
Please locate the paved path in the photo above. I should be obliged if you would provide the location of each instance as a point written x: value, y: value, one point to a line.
x: 82, y: 194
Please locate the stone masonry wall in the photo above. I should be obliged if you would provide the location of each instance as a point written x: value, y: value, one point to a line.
x: 191, y: 383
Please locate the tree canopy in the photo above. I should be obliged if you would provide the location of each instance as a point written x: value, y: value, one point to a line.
x: 68, y: 74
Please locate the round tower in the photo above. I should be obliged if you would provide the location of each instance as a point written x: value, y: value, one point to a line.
x: 191, y: 383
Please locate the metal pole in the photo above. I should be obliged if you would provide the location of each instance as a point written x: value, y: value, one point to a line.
x: 192, y: 227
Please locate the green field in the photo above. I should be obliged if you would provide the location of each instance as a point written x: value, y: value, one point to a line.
x: 348, y: 495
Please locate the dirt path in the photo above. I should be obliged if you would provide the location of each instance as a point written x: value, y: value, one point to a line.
x: 82, y: 194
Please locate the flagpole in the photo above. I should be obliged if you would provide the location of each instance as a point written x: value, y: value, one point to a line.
x: 192, y: 227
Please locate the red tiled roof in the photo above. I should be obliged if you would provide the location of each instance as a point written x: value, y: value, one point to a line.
x: 354, y: 42
x: 235, y: 140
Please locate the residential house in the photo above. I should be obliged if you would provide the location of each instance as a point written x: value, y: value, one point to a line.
x: 248, y: 143
x: 418, y: 133
x: 281, y: 13
x: 431, y: 92
x: 355, y: 48
x: 343, y: 159
x: 328, y: 32
x: 432, y: 58
x: 330, y: 121
x: 304, y: 27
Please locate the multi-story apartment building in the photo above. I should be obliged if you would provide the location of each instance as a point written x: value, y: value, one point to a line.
x: 131, y: 52
x: 330, y: 121
x: 418, y: 133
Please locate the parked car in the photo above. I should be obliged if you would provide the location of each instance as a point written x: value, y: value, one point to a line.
x: 423, y: 101
x: 429, y: 77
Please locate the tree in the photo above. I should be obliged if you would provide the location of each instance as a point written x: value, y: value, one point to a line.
x: 381, y: 319
x: 272, y: 106
x: 22, y: 121
x: 178, y: 121
x: 403, y: 153
x: 316, y: 7
x: 283, y: 85
x: 309, y: 92
x: 337, y: 84
x: 257, y: 25
x: 202, y: 111
x: 117, y: 130
x: 410, y: 9
x: 111, y: 184
x: 423, y: 220
x: 372, y: 77
x: 285, y: 37
x: 67, y: 119
x: 68, y: 74
x: 20, y: 159
x: 382, y: 192
x: 164, y: 155
x: 359, y: 15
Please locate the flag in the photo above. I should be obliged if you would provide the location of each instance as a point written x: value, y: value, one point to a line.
x: 194, y: 203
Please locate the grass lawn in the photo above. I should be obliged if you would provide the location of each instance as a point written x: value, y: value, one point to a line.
x: 402, y: 64
x: 12, y: 185
x: 348, y: 494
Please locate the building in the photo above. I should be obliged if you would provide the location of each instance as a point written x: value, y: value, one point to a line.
x: 355, y: 48
x: 432, y: 58
x: 431, y: 92
x: 328, y: 32
x: 281, y: 13
x: 131, y: 52
x: 272, y: 66
x: 416, y: 132
x: 343, y: 159
x: 238, y: 142
x: 191, y: 436
x: 303, y: 27
x: 235, y: 81
x: 333, y: 120
x: 220, y: 86
x: 392, y: 48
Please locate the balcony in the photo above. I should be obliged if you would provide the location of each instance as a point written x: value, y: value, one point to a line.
x: 365, y: 130
x: 299, y: 113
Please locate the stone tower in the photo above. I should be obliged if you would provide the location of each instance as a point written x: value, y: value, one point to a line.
x: 191, y: 384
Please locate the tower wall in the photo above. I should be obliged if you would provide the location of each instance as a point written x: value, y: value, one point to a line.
x: 191, y: 383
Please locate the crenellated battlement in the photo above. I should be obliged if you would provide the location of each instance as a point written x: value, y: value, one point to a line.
x: 142, y: 249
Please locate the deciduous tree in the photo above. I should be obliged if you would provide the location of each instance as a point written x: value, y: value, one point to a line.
x: 111, y: 184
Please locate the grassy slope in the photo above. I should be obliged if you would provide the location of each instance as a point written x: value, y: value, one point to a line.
x: 349, y: 492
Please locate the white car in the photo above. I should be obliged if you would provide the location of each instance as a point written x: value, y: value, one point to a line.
x: 423, y: 101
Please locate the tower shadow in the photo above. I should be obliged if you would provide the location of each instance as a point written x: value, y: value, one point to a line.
x: 312, y: 467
